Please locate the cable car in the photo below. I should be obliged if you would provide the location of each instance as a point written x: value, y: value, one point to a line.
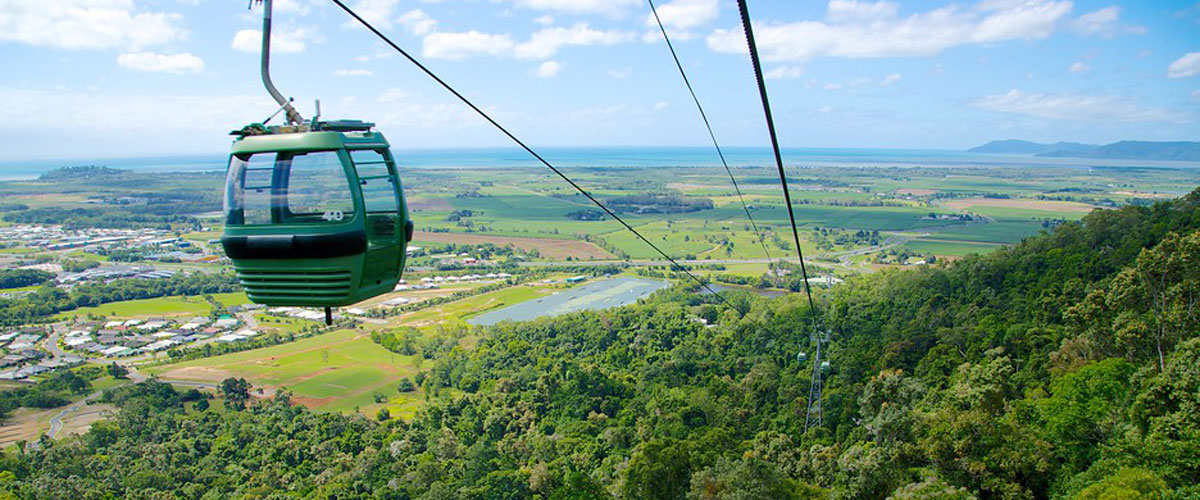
x: 314, y: 210
x: 316, y: 217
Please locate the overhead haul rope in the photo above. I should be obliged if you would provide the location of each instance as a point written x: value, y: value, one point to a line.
x: 814, y: 413
x: 525, y: 147
x: 787, y: 197
x: 711, y: 135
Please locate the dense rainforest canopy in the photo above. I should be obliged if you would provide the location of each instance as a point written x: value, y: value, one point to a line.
x: 1065, y: 367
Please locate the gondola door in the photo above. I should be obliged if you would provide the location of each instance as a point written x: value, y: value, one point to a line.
x: 381, y: 202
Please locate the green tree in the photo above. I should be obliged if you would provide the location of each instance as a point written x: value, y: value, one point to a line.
x: 117, y: 371
x: 748, y: 479
x: 659, y: 469
x: 236, y: 392
x: 1126, y: 484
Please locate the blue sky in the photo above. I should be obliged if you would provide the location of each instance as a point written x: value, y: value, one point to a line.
x: 105, y: 78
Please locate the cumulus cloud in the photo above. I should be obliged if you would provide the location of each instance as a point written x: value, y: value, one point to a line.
x: 541, y: 45
x: 180, y: 64
x: 890, y: 79
x: 854, y: 29
x: 545, y: 43
x: 1074, y: 107
x: 681, y: 16
x: 283, y: 40
x: 544, y: 20
x: 417, y: 22
x: 784, y: 72
x: 456, y: 46
x: 86, y: 24
x: 1102, y: 22
x: 661, y: 105
x: 1079, y: 67
x: 548, y: 69
x: 377, y: 12
x: 1188, y: 65
x: 611, y: 8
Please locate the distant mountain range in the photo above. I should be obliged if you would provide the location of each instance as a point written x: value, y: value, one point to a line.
x: 1123, y: 150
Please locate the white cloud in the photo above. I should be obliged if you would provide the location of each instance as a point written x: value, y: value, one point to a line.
x: 1102, y: 22
x: 283, y: 40
x: 86, y: 24
x: 417, y: 22
x: 854, y: 29
x: 680, y: 16
x: 661, y: 105
x: 456, y: 46
x: 612, y: 8
x: 545, y: 43
x: 548, y: 69
x: 1196, y: 95
x: 377, y: 12
x: 544, y: 20
x: 833, y: 86
x: 1073, y: 107
x: 1079, y: 67
x: 353, y: 72
x: 825, y: 110
x: 784, y: 72
x: 890, y: 79
x: 180, y: 64
x: 1188, y: 65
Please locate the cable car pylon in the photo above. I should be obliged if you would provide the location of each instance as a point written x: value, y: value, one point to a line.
x: 814, y: 416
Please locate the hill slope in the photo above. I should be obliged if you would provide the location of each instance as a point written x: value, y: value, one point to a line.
x: 1123, y: 150
x: 1013, y: 146
x: 1064, y: 367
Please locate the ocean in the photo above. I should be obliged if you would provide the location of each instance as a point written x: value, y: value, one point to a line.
x: 616, y: 157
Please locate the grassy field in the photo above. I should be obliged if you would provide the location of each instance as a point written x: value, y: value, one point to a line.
x: 163, y: 306
x: 336, y: 371
x: 946, y: 248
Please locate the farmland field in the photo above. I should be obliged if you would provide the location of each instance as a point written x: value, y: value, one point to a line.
x: 548, y: 247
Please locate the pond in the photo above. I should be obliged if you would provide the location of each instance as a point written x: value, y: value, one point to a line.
x: 602, y: 294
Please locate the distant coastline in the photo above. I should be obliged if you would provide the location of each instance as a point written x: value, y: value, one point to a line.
x: 620, y: 157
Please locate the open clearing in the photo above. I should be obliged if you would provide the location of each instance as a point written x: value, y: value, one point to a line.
x: 548, y: 247
x: 336, y: 371
x: 80, y: 421
x: 1044, y: 205
x: 163, y: 306
x: 431, y: 204
x: 916, y: 192
x: 25, y: 424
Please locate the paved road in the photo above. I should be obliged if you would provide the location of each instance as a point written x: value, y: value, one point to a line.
x: 56, y: 423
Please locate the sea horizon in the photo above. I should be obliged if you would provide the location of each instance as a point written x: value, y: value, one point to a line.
x: 614, y: 157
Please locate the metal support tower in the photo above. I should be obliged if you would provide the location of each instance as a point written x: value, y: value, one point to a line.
x: 813, y: 415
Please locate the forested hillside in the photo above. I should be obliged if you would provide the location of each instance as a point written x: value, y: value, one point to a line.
x: 1065, y: 367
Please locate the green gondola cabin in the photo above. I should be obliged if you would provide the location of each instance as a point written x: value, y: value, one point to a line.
x: 314, y: 214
